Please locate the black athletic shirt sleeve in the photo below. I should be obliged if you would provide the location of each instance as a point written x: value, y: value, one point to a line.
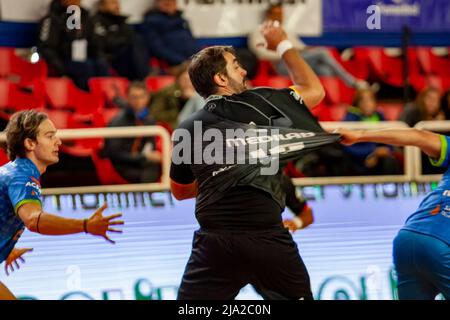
x: 181, y: 172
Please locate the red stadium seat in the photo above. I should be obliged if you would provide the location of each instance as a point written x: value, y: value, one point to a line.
x: 325, y: 112
x: 157, y: 83
x: 109, y: 114
x: 15, y: 98
x: 106, y: 88
x: 63, y: 94
x: 420, y: 82
x: 389, y: 69
x: 60, y: 118
x: 105, y: 170
x: 357, y: 65
x: 391, y: 111
x: 432, y: 64
x: 385, y: 68
x: 19, y: 70
x: 279, y: 82
x: 3, y: 157
x: 337, y: 91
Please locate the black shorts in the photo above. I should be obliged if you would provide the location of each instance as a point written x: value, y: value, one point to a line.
x: 223, y: 262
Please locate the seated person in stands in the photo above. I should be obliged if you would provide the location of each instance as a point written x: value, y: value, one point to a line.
x: 118, y: 41
x: 319, y: 59
x: 169, y: 103
x: 70, y: 50
x: 370, y: 158
x: 167, y: 34
x: 427, y: 107
x: 135, y: 159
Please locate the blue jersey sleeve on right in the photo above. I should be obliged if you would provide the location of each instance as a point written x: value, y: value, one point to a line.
x: 23, y: 189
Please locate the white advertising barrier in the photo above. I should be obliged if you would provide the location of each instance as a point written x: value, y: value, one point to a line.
x: 215, y: 19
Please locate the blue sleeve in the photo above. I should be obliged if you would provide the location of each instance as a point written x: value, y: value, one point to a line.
x: 443, y: 160
x: 361, y: 150
x: 24, y: 189
x: 156, y: 45
x: 351, y: 117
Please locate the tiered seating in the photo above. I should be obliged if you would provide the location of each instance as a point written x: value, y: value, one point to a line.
x: 15, y: 98
x: 106, y: 88
x: 18, y: 70
x: 435, y: 70
x: 24, y: 85
x: 156, y: 83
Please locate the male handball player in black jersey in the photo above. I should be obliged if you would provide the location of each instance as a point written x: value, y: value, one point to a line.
x: 241, y: 239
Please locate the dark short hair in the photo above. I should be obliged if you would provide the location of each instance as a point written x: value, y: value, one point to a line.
x: 22, y: 125
x: 359, y: 95
x: 137, y: 85
x: 205, y: 65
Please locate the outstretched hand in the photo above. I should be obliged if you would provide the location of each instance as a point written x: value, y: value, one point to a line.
x: 348, y: 137
x: 99, y: 225
x: 13, y: 259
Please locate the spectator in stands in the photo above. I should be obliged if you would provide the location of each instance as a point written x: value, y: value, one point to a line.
x: 169, y: 103
x: 445, y: 104
x: 319, y: 59
x: 427, y: 107
x: 119, y: 43
x: 68, y: 45
x: 370, y: 158
x: 168, y: 35
x: 135, y: 159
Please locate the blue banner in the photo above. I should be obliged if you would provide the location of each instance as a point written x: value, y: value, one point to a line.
x: 386, y: 15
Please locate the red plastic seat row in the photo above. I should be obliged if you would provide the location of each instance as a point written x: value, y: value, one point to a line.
x: 18, y: 70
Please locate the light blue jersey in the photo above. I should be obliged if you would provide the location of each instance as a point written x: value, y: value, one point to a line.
x: 433, y: 215
x: 19, y: 184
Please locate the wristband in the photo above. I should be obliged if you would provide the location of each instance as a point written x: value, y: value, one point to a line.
x: 37, y: 223
x: 298, y: 222
x: 284, y: 46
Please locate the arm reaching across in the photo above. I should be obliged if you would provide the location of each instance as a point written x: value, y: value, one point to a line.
x: 36, y: 220
x: 429, y: 142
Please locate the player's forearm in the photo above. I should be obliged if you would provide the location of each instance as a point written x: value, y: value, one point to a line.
x: 48, y: 224
x: 304, y: 77
x: 428, y: 142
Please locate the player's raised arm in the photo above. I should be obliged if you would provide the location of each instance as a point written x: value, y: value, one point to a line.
x: 305, y: 80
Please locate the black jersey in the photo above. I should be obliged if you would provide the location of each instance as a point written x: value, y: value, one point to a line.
x: 236, y: 195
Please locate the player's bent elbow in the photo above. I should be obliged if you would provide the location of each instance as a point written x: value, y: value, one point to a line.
x: 315, y: 96
x: 31, y: 223
x: 29, y: 219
